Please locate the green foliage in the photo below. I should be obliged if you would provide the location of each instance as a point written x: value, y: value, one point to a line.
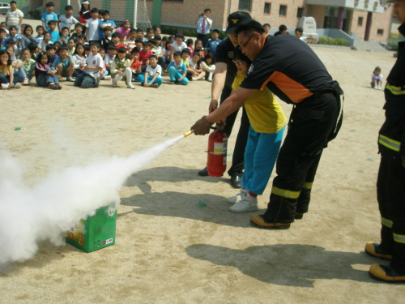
x: 332, y: 41
x: 190, y: 32
x: 35, y: 14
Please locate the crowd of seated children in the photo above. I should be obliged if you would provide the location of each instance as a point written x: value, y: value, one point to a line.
x: 121, y: 69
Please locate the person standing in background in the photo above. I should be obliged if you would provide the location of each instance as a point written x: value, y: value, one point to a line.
x: 204, y: 24
x: 14, y: 16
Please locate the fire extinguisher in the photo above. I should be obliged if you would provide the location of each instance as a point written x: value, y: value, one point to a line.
x: 217, y: 148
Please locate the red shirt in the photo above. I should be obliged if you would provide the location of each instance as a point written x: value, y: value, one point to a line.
x: 143, y: 58
x: 135, y: 65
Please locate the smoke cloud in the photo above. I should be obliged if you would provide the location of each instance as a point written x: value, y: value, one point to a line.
x: 58, y: 202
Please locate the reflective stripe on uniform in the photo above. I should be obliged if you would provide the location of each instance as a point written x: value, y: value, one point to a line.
x: 395, y: 90
x: 399, y: 238
x: 386, y: 222
x: 307, y: 185
x: 285, y: 193
x: 389, y: 143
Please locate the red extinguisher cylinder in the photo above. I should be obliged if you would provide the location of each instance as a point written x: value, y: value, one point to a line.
x: 217, y: 149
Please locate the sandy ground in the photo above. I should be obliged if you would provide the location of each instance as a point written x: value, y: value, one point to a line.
x: 168, y: 249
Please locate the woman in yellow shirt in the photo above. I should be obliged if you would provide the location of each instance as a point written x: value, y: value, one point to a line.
x: 267, y: 122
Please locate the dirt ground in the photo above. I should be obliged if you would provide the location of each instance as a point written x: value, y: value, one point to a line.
x: 170, y: 250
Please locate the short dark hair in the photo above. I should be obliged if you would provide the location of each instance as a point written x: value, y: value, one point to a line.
x: 95, y: 44
x: 139, y: 31
x: 82, y: 36
x: 11, y: 41
x: 282, y: 28
x: 32, y: 46
x: 134, y: 50
x: 78, y: 24
x: 249, y: 27
x: 122, y: 50
x: 299, y: 29
x: 50, y: 47
x: 146, y: 43
x: 112, y: 47
x: 51, y: 22
x: 62, y: 47
x: 106, y: 12
x: 149, y: 29
x: 139, y: 40
x: 64, y: 28
x: 152, y: 41
x: 50, y: 4
x: 180, y: 35
x: 107, y: 28
x: 13, y: 2
x: 177, y: 53
x: 268, y: 24
x: 157, y: 37
x: 215, y: 31
x: 68, y: 8
x: 207, y: 10
x: 94, y: 10
x: 132, y: 30
x: 38, y: 27
x: 189, y: 41
x: 186, y: 50
x: 153, y: 56
x: 86, y: 47
x: 3, y: 31
x: 116, y: 35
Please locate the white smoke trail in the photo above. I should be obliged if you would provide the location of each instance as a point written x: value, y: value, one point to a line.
x: 46, y: 211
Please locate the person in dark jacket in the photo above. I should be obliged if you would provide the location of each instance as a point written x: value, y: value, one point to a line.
x: 391, y: 174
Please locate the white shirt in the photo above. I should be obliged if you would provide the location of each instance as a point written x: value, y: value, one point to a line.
x: 42, y: 45
x: 93, y: 29
x: 96, y: 61
x: 13, y: 17
x: 178, y: 48
x: 157, y: 50
x: 207, y: 26
x: 152, y: 71
x: 67, y: 22
x: 108, y: 59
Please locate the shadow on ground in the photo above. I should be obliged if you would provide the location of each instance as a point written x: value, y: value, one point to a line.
x: 288, y: 265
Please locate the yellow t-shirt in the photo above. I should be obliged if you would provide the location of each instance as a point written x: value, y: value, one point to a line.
x: 264, y: 112
x: 6, y: 71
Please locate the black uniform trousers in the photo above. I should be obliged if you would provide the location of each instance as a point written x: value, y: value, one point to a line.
x: 204, y: 38
x: 238, y: 160
x: 313, y: 122
x: 391, y: 202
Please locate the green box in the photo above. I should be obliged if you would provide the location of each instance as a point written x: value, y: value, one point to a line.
x: 94, y: 232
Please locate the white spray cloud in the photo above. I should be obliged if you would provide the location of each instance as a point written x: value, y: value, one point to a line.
x: 44, y: 212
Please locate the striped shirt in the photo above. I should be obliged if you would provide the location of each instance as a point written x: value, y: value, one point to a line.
x: 13, y: 17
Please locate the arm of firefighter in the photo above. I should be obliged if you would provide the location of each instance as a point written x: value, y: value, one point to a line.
x: 230, y: 105
x: 218, y: 83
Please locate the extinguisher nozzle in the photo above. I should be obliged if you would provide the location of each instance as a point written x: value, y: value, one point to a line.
x: 188, y: 133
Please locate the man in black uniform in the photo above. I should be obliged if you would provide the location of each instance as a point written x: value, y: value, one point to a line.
x: 293, y: 72
x: 391, y: 175
x: 225, y: 71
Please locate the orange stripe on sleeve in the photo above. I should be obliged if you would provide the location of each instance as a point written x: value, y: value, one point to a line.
x: 294, y: 90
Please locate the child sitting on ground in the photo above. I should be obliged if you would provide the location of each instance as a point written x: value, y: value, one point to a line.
x: 40, y: 34
x: 71, y: 46
x: 64, y: 37
x: 185, y: 55
x: 177, y: 70
x: 7, y: 79
x: 43, y: 44
x: 52, y: 30
x: 115, y: 39
x: 376, y: 78
x: 79, y: 60
x: 120, y: 68
x: 94, y: 64
x: 27, y: 37
x: 144, y: 55
x: 208, y: 66
x: 130, y: 41
x: 45, y: 73
x: 123, y: 31
x: 78, y: 31
x: 104, y: 74
x: 108, y: 58
x: 151, y: 78
x: 51, y: 51
x: 64, y: 64
x: 194, y: 69
x: 136, y: 64
x: 149, y: 34
x: 106, y: 41
x: 264, y: 139
x: 157, y: 51
x: 28, y: 66
x: 198, y: 47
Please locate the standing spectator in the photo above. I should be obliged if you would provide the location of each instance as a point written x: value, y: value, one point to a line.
x: 49, y: 15
x: 298, y: 33
x: 92, y: 32
x: 14, y: 16
x: 213, y: 43
x: 267, y: 28
x: 282, y: 30
x: 204, y: 24
x: 67, y: 20
x: 84, y: 13
x: 104, y: 23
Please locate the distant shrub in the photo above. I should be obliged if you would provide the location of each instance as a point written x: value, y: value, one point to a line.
x: 332, y: 41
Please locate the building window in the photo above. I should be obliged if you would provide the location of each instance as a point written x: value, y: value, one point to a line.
x: 267, y: 8
x: 360, y: 21
x: 300, y: 12
x: 380, y: 32
x: 283, y: 10
x: 245, y: 5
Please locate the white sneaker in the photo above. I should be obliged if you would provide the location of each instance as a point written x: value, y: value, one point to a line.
x: 115, y: 83
x: 194, y: 78
x: 247, y: 204
x: 130, y: 86
x: 238, y: 197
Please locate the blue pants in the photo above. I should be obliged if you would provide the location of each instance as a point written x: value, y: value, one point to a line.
x: 6, y: 79
x: 85, y: 81
x: 175, y: 76
x: 141, y: 79
x: 260, y: 156
x: 43, y: 80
